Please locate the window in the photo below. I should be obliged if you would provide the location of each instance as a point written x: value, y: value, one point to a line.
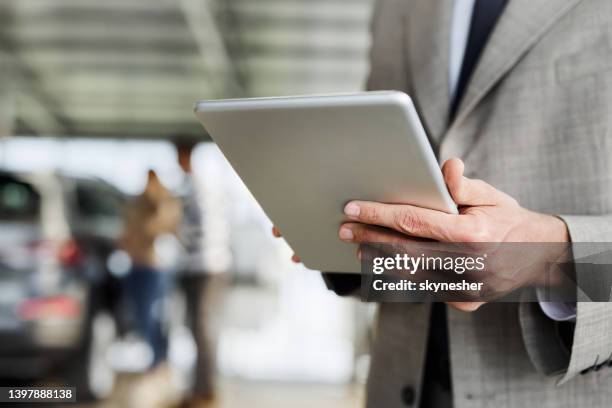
x: 18, y: 200
x: 98, y: 201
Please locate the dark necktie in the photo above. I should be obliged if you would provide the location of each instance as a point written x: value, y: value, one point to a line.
x: 437, y: 385
x: 484, y: 18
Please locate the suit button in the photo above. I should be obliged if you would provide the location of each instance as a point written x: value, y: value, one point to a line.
x: 408, y: 395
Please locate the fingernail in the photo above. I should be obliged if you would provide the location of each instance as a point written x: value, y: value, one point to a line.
x: 346, y: 234
x: 352, y: 210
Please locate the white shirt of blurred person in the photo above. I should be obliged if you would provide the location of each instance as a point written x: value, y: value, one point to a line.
x: 201, y: 286
x: 191, y: 230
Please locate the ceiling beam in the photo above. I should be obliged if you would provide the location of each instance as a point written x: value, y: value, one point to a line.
x: 37, y: 117
x: 212, y: 46
x: 45, y: 109
x: 7, y: 99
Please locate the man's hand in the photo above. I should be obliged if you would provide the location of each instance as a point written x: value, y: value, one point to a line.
x: 486, y: 215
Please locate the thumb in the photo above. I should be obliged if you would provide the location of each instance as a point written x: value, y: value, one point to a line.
x: 468, y: 192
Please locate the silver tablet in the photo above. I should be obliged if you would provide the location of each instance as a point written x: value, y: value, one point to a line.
x: 303, y: 158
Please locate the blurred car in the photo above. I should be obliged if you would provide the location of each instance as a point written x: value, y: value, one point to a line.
x: 56, y: 234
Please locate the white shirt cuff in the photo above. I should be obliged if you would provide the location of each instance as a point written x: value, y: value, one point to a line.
x: 558, y: 311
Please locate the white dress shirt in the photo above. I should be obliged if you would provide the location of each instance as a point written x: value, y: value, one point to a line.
x: 461, y: 22
x: 460, y: 29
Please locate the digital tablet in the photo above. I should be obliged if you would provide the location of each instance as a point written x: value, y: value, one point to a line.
x: 304, y: 158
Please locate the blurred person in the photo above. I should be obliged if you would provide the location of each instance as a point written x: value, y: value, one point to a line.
x: 201, y: 285
x: 520, y: 91
x: 149, y: 217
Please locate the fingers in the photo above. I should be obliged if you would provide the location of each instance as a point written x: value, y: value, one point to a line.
x: 405, y: 219
x: 469, y: 192
x: 276, y: 232
x: 361, y: 233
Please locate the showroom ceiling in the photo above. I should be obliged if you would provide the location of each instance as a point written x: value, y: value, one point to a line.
x: 134, y: 68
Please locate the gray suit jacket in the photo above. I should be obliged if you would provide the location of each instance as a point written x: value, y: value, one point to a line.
x: 535, y: 122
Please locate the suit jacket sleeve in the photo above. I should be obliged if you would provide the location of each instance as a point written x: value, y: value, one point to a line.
x: 588, y: 345
x: 592, y: 344
x: 343, y: 284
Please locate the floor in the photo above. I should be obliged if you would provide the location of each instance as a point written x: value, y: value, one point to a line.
x: 237, y: 394
x: 295, y: 396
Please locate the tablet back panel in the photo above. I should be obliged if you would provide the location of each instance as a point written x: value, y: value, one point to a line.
x: 304, y: 158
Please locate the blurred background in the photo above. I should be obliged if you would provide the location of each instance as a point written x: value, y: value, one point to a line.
x: 100, y: 287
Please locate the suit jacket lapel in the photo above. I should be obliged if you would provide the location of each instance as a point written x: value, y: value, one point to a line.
x: 427, y: 44
x: 521, y: 26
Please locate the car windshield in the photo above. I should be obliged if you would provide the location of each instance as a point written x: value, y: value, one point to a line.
x: 18, y: 200
x: 98, y: 201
